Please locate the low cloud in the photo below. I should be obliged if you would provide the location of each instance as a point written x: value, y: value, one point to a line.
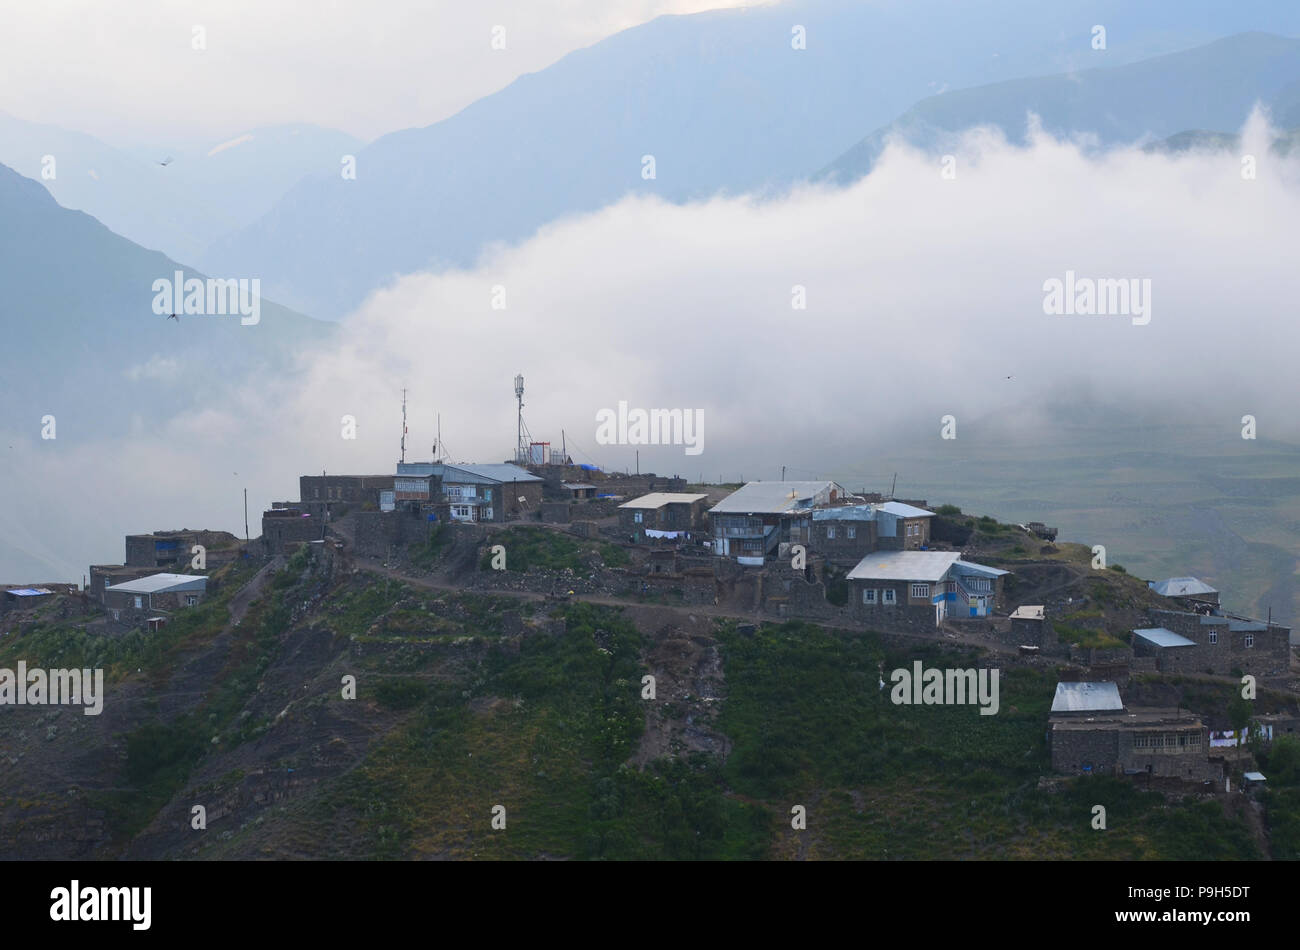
x: 924, y: 294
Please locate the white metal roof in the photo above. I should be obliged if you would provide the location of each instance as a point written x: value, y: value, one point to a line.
x: 657, y: 499
x: 1162, y: 637
x: 1087, y: 697
x: 904, y: 511
x: 1181, y: 587
x: 161, y: 583
x: 772, y: 497
x: 904, y: 565
x: 1028, y: 613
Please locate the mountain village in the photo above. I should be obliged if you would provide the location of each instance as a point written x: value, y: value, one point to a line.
x: 762, y: 551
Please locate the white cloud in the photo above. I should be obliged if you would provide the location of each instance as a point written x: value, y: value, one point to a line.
x: 924, y: 294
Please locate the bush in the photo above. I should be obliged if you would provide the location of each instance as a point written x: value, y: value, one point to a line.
x: 400, y: 694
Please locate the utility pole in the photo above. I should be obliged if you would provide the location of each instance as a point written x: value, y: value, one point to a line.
x: 246, y: 518
x: 638, y: 461
x: 893, y: 486
x: 782, y: 473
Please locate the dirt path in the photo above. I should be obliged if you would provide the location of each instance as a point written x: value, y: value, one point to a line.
x: 669, y: 613
x: 257, y: 583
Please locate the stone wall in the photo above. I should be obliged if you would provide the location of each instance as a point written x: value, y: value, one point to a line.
x: 378, y: 532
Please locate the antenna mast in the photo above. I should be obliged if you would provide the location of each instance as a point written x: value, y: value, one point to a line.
x: 403, y: 425
x: 521, y: 450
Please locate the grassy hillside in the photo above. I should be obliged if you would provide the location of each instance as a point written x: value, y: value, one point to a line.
x: 465, y: 702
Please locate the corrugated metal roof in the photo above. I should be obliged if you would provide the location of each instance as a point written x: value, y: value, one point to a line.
x: 772, y: 497
x: 970, y: 568
x: 1087, y: 697
x: 160, y: 583
x: 1247, y: 626
x: 1181, y: 587
x: 657, y: 499
x: 904, y: 566
x: 575, y: 486
x: 904, y: 511
x: 846, y: 513
x: 29, y: 591
x: 1028, y: 613
x: 494, y: 472
x: 1163, y: 638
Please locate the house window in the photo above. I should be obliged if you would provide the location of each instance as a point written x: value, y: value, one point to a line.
x: 117, y: 615
x: 637, y: 517
x: 851, y: 532
x: 485, y: 514
x: 890, y: 595
x: 1139, y: 742
x: 1214, y: 637
x: 830, y: 532
x: 920, y: 591
x: 1157, y: 742
x: 868, y: 595
x: 191, y: 600
x: 462, y: 512
x: 139, y: 602
x: 1250, y: 640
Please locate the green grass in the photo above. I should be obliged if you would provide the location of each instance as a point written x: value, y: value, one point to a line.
x: 548, y: 550
x: 811, y: 726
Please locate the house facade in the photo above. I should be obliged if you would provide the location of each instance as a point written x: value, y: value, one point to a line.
x: 922, y: 588
x: 664, y: 512
x: 1221, y: 643
x: 752, y: 522
x: 1091, y: 732
x: 156, y: 593
x: 469, y: 492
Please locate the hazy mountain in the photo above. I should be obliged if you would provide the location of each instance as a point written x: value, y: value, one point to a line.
x: 81, y: 339
x: 205, y: 191
x: 1203, y: 139
x: 1211, y: 87
x: 722, y: 102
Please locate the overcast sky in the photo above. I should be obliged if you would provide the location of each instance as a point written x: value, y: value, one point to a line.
x: 126, y: 72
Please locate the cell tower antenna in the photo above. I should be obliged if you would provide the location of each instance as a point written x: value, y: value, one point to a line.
x: 521, y: 450
x: 403, y: 425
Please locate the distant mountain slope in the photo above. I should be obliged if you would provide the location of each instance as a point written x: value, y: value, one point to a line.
x: 81, y: 340
x: 207, y: 189
x: 720, y: 99
x: 1210, y: 87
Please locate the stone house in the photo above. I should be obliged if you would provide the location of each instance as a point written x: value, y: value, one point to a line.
x: 1092, y: 732
x: 344, y: 489
x: 282, y: 527
x: 157, y: 593
x: 663, y: 511
x: 1189, y: 592
x: 754, y: 520
x: 1029, y: 625
x: 921, y: 589
x: 1222, y: 643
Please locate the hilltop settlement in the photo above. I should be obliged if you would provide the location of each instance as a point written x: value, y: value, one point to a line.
x: 778, y: 550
